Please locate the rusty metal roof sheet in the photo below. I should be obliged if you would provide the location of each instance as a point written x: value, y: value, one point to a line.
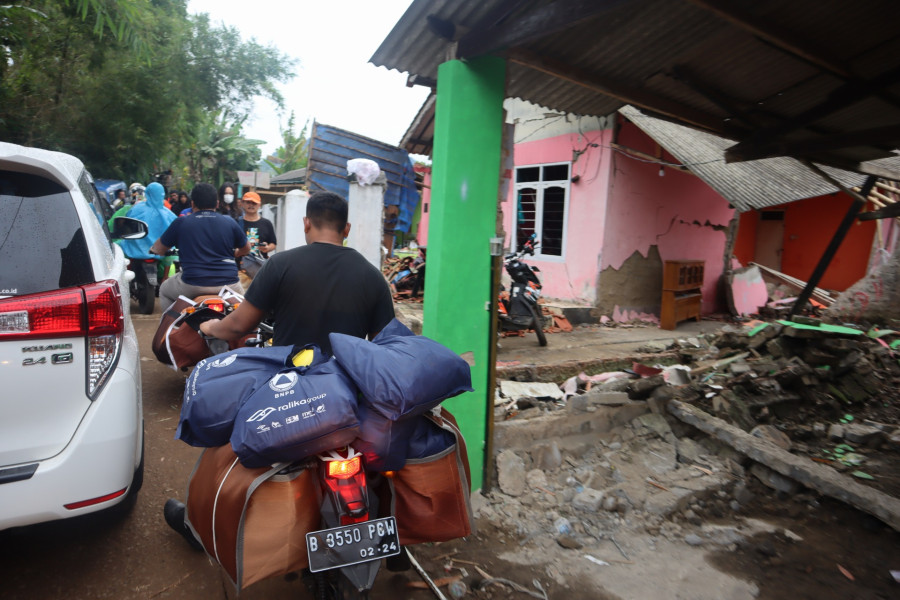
x: 686, y: 60
x: 749, y: 185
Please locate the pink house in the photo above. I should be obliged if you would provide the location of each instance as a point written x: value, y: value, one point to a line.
x: 607, y: 219
x: 609, y: 205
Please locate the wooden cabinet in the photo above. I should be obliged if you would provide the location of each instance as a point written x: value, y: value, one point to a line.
x: 682, y: 292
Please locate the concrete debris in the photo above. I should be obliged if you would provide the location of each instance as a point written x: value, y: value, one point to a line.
x: 515, y: 390
x: 774, y: 480
x: 588, y: 500
x: 658, y: 457
x: 511, y: 473
x: 801, y: 470
x: 772, y: 435
x: 857, y: 433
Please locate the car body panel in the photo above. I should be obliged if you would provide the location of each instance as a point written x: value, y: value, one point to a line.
x: 99, y: 460
x: 83, y: 448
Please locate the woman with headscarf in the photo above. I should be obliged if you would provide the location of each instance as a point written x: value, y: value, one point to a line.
x: 180, y: 203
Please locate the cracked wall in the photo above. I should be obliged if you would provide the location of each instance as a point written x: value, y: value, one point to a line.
x: 651, y: 219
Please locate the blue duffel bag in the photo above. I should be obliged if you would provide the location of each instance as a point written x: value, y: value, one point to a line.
x: 384, y: 443
x: 217, y: 388
x: 299, y: 412
x: 401, y: 374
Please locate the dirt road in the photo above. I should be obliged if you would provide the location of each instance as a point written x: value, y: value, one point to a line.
x: 517, y: 543
x: 138, y: 556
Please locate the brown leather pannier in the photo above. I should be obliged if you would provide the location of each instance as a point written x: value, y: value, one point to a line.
x: 431, y: 495
x: 253, y: 522
x: 175, y: 343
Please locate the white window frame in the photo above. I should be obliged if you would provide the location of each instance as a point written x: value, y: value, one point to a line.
x: 539, y: 186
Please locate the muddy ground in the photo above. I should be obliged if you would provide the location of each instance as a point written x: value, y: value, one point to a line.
x: 730, y: 541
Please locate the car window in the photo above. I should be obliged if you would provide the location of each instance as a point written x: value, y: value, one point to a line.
x: 99, y: 206
x: 41, y: 242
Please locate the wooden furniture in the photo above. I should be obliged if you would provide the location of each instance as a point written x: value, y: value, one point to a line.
x: 682, y: 292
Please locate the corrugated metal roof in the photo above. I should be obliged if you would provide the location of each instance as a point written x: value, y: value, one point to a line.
x: 296, y: 176
x: 667, y: 56
x: 746, y: 186
x: 329, y: 150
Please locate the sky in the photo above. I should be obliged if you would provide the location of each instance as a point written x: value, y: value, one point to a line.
x: 332, y: 41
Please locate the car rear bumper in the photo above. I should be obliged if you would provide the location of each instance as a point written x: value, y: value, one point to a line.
x: 100, y: 459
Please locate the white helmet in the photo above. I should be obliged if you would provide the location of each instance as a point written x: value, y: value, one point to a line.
x: 136, y: 189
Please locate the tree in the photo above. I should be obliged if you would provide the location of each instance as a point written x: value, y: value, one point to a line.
x: 64, y: 85
x: 220, y: 150
x: 294, y: 151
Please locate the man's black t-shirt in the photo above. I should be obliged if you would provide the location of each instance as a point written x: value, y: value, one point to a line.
x: 259, y: 232
x: 321, y: 288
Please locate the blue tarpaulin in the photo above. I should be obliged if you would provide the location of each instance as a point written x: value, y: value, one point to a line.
x: 329, y: 150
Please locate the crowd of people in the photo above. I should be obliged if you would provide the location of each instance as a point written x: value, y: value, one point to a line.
x: 210, y: 229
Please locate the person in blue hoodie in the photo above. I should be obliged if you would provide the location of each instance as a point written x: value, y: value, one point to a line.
x: 154, y: 213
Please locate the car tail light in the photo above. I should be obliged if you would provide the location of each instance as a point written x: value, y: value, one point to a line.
x: 105, y: 323
x: 91, y: 311
x: 49, y: 315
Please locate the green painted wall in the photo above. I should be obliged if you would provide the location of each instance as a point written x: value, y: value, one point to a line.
x: 463, y: 216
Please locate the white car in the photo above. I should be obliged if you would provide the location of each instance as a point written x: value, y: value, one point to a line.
x: 71, y: 420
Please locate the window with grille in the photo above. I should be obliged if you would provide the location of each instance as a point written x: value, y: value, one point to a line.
x: 542, y: 198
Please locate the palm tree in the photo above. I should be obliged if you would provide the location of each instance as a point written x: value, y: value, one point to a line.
x: 294, y: 152
x: 221, y: 149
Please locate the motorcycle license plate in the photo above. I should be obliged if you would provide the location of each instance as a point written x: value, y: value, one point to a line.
x: 352, y: 544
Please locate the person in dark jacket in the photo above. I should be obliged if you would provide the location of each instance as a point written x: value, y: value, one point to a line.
x: 311, y: 291
x: 208, y: 246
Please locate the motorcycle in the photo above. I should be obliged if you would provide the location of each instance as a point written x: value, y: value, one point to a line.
x: 148, y: 275
x: 518, y: 309
x: 178, y: 340
x: 345, y: 556
x: 143, y: 285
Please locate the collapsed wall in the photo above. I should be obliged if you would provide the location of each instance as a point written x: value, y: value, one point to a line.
x: 873, y: 299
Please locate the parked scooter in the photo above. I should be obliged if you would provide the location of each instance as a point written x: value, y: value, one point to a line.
x: 519, y: 310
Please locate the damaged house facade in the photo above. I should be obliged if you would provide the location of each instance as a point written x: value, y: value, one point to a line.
x: 611, y: 199
x: 814, y: 81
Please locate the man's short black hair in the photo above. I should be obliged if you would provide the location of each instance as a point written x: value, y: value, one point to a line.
x: 327, y: 210
x: 204, y: 196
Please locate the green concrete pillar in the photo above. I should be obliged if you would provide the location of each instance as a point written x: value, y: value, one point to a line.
x: 465, y: 178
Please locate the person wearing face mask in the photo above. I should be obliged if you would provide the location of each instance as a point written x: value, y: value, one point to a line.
x: 227, y: 204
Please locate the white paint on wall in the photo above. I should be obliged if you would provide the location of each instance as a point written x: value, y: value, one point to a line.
x: 289, y: 223
x: 366, y: 217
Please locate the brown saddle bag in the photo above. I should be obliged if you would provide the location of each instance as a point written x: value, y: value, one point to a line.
x: 253, y: 522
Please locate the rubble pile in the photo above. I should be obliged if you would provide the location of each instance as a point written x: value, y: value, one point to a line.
x: 828, y: 392
x: 602, y: 454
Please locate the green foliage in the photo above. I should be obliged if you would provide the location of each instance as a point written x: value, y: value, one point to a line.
x: 220, y: 150
x: 75, y: 77
x: 294, y: 151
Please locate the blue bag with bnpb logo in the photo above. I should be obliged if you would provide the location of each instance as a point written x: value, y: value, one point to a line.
x: 299, y: 412
x: 401, y: 374
x: 219, y: 385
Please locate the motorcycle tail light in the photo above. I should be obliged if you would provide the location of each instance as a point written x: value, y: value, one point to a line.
x: 217, y: 306
x: 344, y: 469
